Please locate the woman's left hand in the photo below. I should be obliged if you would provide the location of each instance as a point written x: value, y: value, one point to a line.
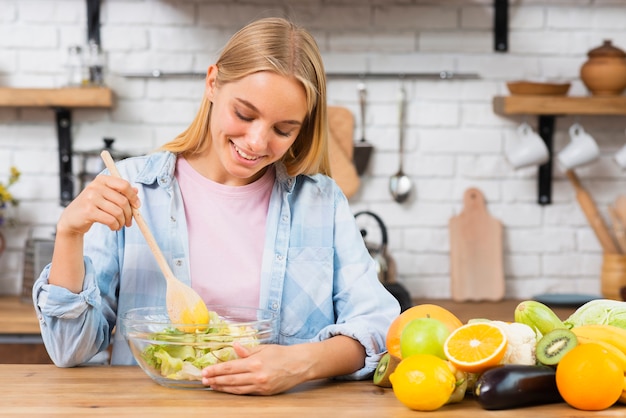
x: 268, y: 369
x: 261, y: 370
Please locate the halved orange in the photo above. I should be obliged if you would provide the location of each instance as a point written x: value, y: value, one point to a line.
x: 475, y: 347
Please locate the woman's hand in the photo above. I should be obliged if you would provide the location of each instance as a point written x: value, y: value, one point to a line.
x: 106, y: 200
x: 261, y: 370
x: 271, y: 369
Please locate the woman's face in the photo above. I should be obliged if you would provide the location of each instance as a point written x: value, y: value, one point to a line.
x: 253, y: 123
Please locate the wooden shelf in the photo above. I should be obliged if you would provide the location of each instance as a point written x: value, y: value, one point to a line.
x: 66, y: 97
x: 547, y: 108
x: 559, y: 105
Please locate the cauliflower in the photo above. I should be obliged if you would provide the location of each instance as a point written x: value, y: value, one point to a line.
x: 522, y: 342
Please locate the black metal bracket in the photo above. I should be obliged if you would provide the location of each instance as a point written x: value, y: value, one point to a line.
x: 93, y: 20
x: 544, y: 177
x: 64, y: 137
x: 501, y: 25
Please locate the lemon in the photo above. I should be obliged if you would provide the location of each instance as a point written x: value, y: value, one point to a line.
x: 423, y: 382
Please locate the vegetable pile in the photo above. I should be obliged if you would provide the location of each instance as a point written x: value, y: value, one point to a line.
x: 537, y: 359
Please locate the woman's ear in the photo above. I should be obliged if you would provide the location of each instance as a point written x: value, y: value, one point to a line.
x: 210, y: 82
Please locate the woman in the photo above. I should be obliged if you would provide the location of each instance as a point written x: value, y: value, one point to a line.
x: 242, y: 207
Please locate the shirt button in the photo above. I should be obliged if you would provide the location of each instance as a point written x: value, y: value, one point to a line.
x: 179, y: 263
x: 285, y: 218
x: 279, y: 257
x: 275, y: 306
x: 173, y: 219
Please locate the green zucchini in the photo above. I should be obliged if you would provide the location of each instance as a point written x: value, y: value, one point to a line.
x: 516, y: 385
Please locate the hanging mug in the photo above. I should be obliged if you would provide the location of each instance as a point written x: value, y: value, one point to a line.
x: 529, y: 150
x: 581, y: 150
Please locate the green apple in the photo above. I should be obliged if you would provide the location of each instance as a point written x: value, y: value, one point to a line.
x: 424, y: 336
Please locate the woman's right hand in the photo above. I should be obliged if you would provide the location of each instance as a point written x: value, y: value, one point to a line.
x: 106, y: 200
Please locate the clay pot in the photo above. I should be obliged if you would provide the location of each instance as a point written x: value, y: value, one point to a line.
x: 604, y: 73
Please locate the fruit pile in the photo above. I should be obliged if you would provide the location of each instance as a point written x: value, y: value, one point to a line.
x: 433, y: 359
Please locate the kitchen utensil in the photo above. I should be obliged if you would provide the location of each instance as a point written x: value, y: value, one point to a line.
x: 604, y: 73
x: 386, y: 267
x: 581, y: 150
x: 531, y: 88
x: 340, y: 149
x: 400, y: 184
x: 618, y: 229
x: 613, y: 275
x: 476, y: 252
x: 530, y: 150
x: 91, y: 164
x: 594, y: 218
x: 184, y: 305
x: 573, y: 300
x: 362, y: 149
x: 620, y: 208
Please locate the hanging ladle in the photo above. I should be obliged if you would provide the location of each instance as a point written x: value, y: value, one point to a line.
x: 400, y: 184
x: 184, y: 305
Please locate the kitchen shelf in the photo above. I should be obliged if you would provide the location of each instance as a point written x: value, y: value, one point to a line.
x: 61, y: 100
x: 56, y: 97
x: 559, y: 105
x: 547, y: 108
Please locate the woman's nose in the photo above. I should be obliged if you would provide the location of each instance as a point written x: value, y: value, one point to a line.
x: 258, y: 136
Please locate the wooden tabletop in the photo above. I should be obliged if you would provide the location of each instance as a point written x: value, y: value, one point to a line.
x: 17, y: 316
x: 125, y: 391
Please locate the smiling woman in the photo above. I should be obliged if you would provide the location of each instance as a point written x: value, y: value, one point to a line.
x: 244, y: 211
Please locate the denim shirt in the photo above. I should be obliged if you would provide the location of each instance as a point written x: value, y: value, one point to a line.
x: 317, y: 274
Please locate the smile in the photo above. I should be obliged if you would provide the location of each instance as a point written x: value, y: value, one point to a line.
x: 243, y: 154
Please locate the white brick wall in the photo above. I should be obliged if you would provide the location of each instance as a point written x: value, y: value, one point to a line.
x: 453, y: 138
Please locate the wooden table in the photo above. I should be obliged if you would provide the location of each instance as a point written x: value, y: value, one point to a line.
x: 125, y: 391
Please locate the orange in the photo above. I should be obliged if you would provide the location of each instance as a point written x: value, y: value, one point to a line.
x: 423, y: 382
x: 426, y: 310
x: 476, y: 346
x: 589, y: 377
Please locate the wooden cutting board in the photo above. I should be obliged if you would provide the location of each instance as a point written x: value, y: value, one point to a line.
x: 340, y: 149
x: 476, y: 252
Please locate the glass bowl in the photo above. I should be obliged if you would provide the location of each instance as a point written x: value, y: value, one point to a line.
x: 173, y: 355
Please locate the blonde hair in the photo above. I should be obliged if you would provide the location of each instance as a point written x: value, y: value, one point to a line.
x: 279, y: 46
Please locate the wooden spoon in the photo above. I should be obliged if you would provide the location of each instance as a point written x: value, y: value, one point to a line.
x: 184, y: 305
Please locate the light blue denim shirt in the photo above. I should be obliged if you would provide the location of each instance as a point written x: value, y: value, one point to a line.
x: 316, y: 272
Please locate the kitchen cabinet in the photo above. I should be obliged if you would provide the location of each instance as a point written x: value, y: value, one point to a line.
x: 61, y: 100
x: 547, y: 108
x: 20, y: 337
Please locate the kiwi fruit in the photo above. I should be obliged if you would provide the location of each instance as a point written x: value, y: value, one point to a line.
x: 386, y: 365
x: 553, y: 345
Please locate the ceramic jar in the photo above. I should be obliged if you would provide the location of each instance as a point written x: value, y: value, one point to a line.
x: 604, y: 73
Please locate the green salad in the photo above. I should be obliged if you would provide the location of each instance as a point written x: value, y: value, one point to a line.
x: 183, y: 355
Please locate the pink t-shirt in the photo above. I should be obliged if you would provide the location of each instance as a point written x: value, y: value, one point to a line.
x: 226, y: 228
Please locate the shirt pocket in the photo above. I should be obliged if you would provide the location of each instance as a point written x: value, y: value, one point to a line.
x: 307, y: 304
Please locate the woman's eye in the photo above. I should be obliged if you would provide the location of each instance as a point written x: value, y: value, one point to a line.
x: 282, y: 133
x: 243, y: 117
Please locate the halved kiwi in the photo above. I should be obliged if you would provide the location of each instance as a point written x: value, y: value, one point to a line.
x: 386, y: 365
x: 553, y: 346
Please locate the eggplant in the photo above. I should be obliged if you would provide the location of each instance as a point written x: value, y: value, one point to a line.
x: 516, y: 385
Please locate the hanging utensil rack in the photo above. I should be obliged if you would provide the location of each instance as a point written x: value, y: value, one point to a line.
x: 440, y: 75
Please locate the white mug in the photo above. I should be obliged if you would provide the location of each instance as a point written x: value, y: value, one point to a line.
x: 620, y: 157
x: 530, y: 150
x: 582, y: 149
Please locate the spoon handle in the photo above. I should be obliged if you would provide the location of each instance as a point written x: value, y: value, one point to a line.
x: 141, y: 223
